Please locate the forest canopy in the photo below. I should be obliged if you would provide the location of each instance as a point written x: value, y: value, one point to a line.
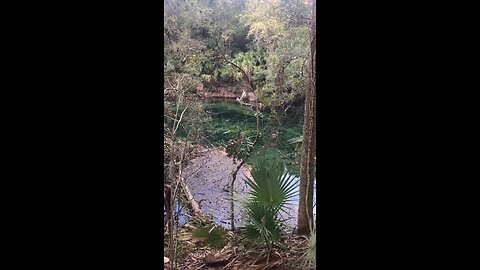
x: 215, y: 42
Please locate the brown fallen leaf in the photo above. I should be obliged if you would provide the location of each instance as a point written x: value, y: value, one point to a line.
x: 216, y: 259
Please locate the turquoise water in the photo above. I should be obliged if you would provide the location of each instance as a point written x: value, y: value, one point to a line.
x: 230, y: 121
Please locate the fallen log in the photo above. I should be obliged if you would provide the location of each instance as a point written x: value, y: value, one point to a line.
x: 244, y: 103
x: 192, y: 204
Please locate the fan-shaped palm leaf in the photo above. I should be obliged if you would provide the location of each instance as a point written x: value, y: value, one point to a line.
x: 262, y: 223
x: 210, y: 235
x: 272, y: 185
x: 309, y: 256
x: 271, y: 188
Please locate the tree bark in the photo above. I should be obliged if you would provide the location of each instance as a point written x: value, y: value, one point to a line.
x: 307, y: 165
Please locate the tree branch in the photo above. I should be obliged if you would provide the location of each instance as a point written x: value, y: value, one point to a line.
x: 234, y: 173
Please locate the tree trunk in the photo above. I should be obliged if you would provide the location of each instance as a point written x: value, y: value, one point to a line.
x: 307, y: 165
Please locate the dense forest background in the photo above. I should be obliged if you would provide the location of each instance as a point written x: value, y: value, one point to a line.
x: 264, y: 44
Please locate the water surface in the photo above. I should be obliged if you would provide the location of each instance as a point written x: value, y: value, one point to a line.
x: 208, y: 175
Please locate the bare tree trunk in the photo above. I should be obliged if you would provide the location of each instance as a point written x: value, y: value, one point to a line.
x: 307, y: 169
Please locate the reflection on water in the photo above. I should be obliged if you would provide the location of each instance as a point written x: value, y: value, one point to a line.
x: 293, y: 206
x: 217, y: 204
x: 208, y: 178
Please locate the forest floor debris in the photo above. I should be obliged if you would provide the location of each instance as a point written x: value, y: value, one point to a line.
x: 236, y: 257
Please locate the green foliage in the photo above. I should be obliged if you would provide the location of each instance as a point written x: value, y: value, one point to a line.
x: 279, y: 27
x: 239, y: 147
x: 264, y: 18
x: 262, y: 223
x: 229, y: 121
x: 271, y: 185
x: 210, y: 235
x: 269, y: 39
x: 184, y: 45
x: 252, y: 61
x: 295, y: 140
x: 309, y: 256
x: 272, y: 188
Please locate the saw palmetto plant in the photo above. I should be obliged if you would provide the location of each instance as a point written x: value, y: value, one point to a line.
x: 211, y: 235
x: 309, y: 256
x: 272, y: 187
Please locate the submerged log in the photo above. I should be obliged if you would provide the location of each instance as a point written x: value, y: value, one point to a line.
x: 245, y: 103
x: 192, y: 204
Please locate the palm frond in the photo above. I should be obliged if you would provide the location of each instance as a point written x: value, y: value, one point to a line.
x: 272, y: 184
x: 309, y: 256
x: 272, y: 187
x: 262, y: 223
x: 295, y: 140
x: 210, y: 235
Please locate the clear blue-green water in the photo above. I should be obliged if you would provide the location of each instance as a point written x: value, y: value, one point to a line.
x: 229, y: 121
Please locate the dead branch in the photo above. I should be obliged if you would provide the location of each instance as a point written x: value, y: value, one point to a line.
x: 234, y: 173
x: 190, y: 200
